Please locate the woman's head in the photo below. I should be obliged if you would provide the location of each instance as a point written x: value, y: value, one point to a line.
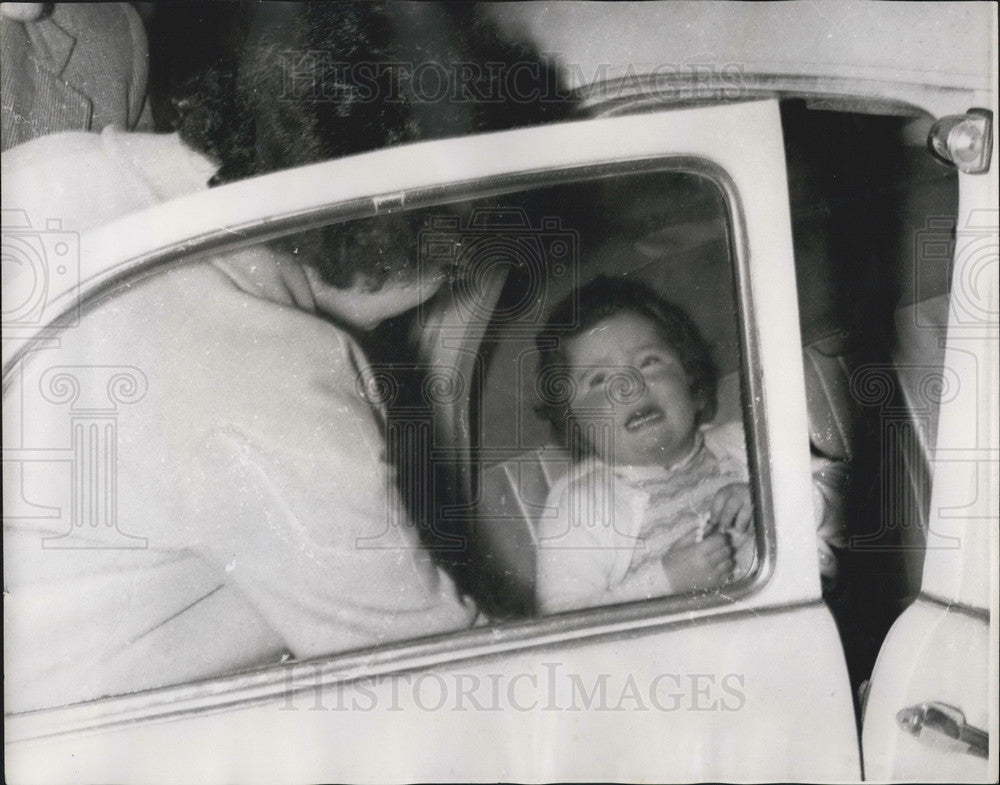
x: 624, y: 374
x: 299, y: 83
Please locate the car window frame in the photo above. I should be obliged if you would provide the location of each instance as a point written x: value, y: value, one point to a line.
x: 749, y: 369
x: 604, y: 623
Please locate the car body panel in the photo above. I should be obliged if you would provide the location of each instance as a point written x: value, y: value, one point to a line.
x: 933, y: 653
x: 535, y: 715
x: 961, y: 542
x: 916, y: 54
x: 944, y: 649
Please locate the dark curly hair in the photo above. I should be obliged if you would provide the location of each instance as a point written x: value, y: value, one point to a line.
x: 601, y: 299
x: 297, y: 83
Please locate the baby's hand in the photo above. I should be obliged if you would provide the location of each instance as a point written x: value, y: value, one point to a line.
x: 732, y: 508
x: 690, y: 564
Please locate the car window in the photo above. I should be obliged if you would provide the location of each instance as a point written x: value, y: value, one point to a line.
x: 612, y: 245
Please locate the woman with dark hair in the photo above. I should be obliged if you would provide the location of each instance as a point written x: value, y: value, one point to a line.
x: 257, y: 514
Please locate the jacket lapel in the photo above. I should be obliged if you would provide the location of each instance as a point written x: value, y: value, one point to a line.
x: 38, y: 101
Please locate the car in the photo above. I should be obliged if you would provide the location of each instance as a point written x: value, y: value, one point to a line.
x: 816, y: 186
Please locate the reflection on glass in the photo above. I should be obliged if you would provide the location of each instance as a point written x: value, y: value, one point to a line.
x: 613, y: 453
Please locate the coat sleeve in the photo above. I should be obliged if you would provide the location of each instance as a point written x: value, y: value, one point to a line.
x: 313, y: 532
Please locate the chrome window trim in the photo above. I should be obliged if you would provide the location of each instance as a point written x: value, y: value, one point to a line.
x: 972, y: 611
x: 279, y: 682
x: 866, y: 95
x: 253, y: 686
x: 243, y: 688
x: 758, y: 454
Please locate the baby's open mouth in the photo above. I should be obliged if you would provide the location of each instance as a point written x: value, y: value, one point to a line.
x: 643, y: 418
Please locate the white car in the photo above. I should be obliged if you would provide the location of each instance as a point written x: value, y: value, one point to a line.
x: 767, y: 166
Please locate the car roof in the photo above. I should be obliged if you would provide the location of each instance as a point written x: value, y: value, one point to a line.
x: 935, y: 56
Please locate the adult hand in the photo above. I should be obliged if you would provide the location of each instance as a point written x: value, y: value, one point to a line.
x: 22, y: 12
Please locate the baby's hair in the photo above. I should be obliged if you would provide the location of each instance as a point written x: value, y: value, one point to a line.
x: 601, y: 299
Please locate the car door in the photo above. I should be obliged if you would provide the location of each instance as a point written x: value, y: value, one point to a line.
x: 929, y: 712
x: 721, y: 685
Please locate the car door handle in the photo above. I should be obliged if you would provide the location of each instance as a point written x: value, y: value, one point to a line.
x: 943, y: 726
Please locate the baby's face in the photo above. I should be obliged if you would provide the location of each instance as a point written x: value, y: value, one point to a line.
x: 653, y: 423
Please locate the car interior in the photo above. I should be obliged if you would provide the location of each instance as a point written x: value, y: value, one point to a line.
x: 667, y: 229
